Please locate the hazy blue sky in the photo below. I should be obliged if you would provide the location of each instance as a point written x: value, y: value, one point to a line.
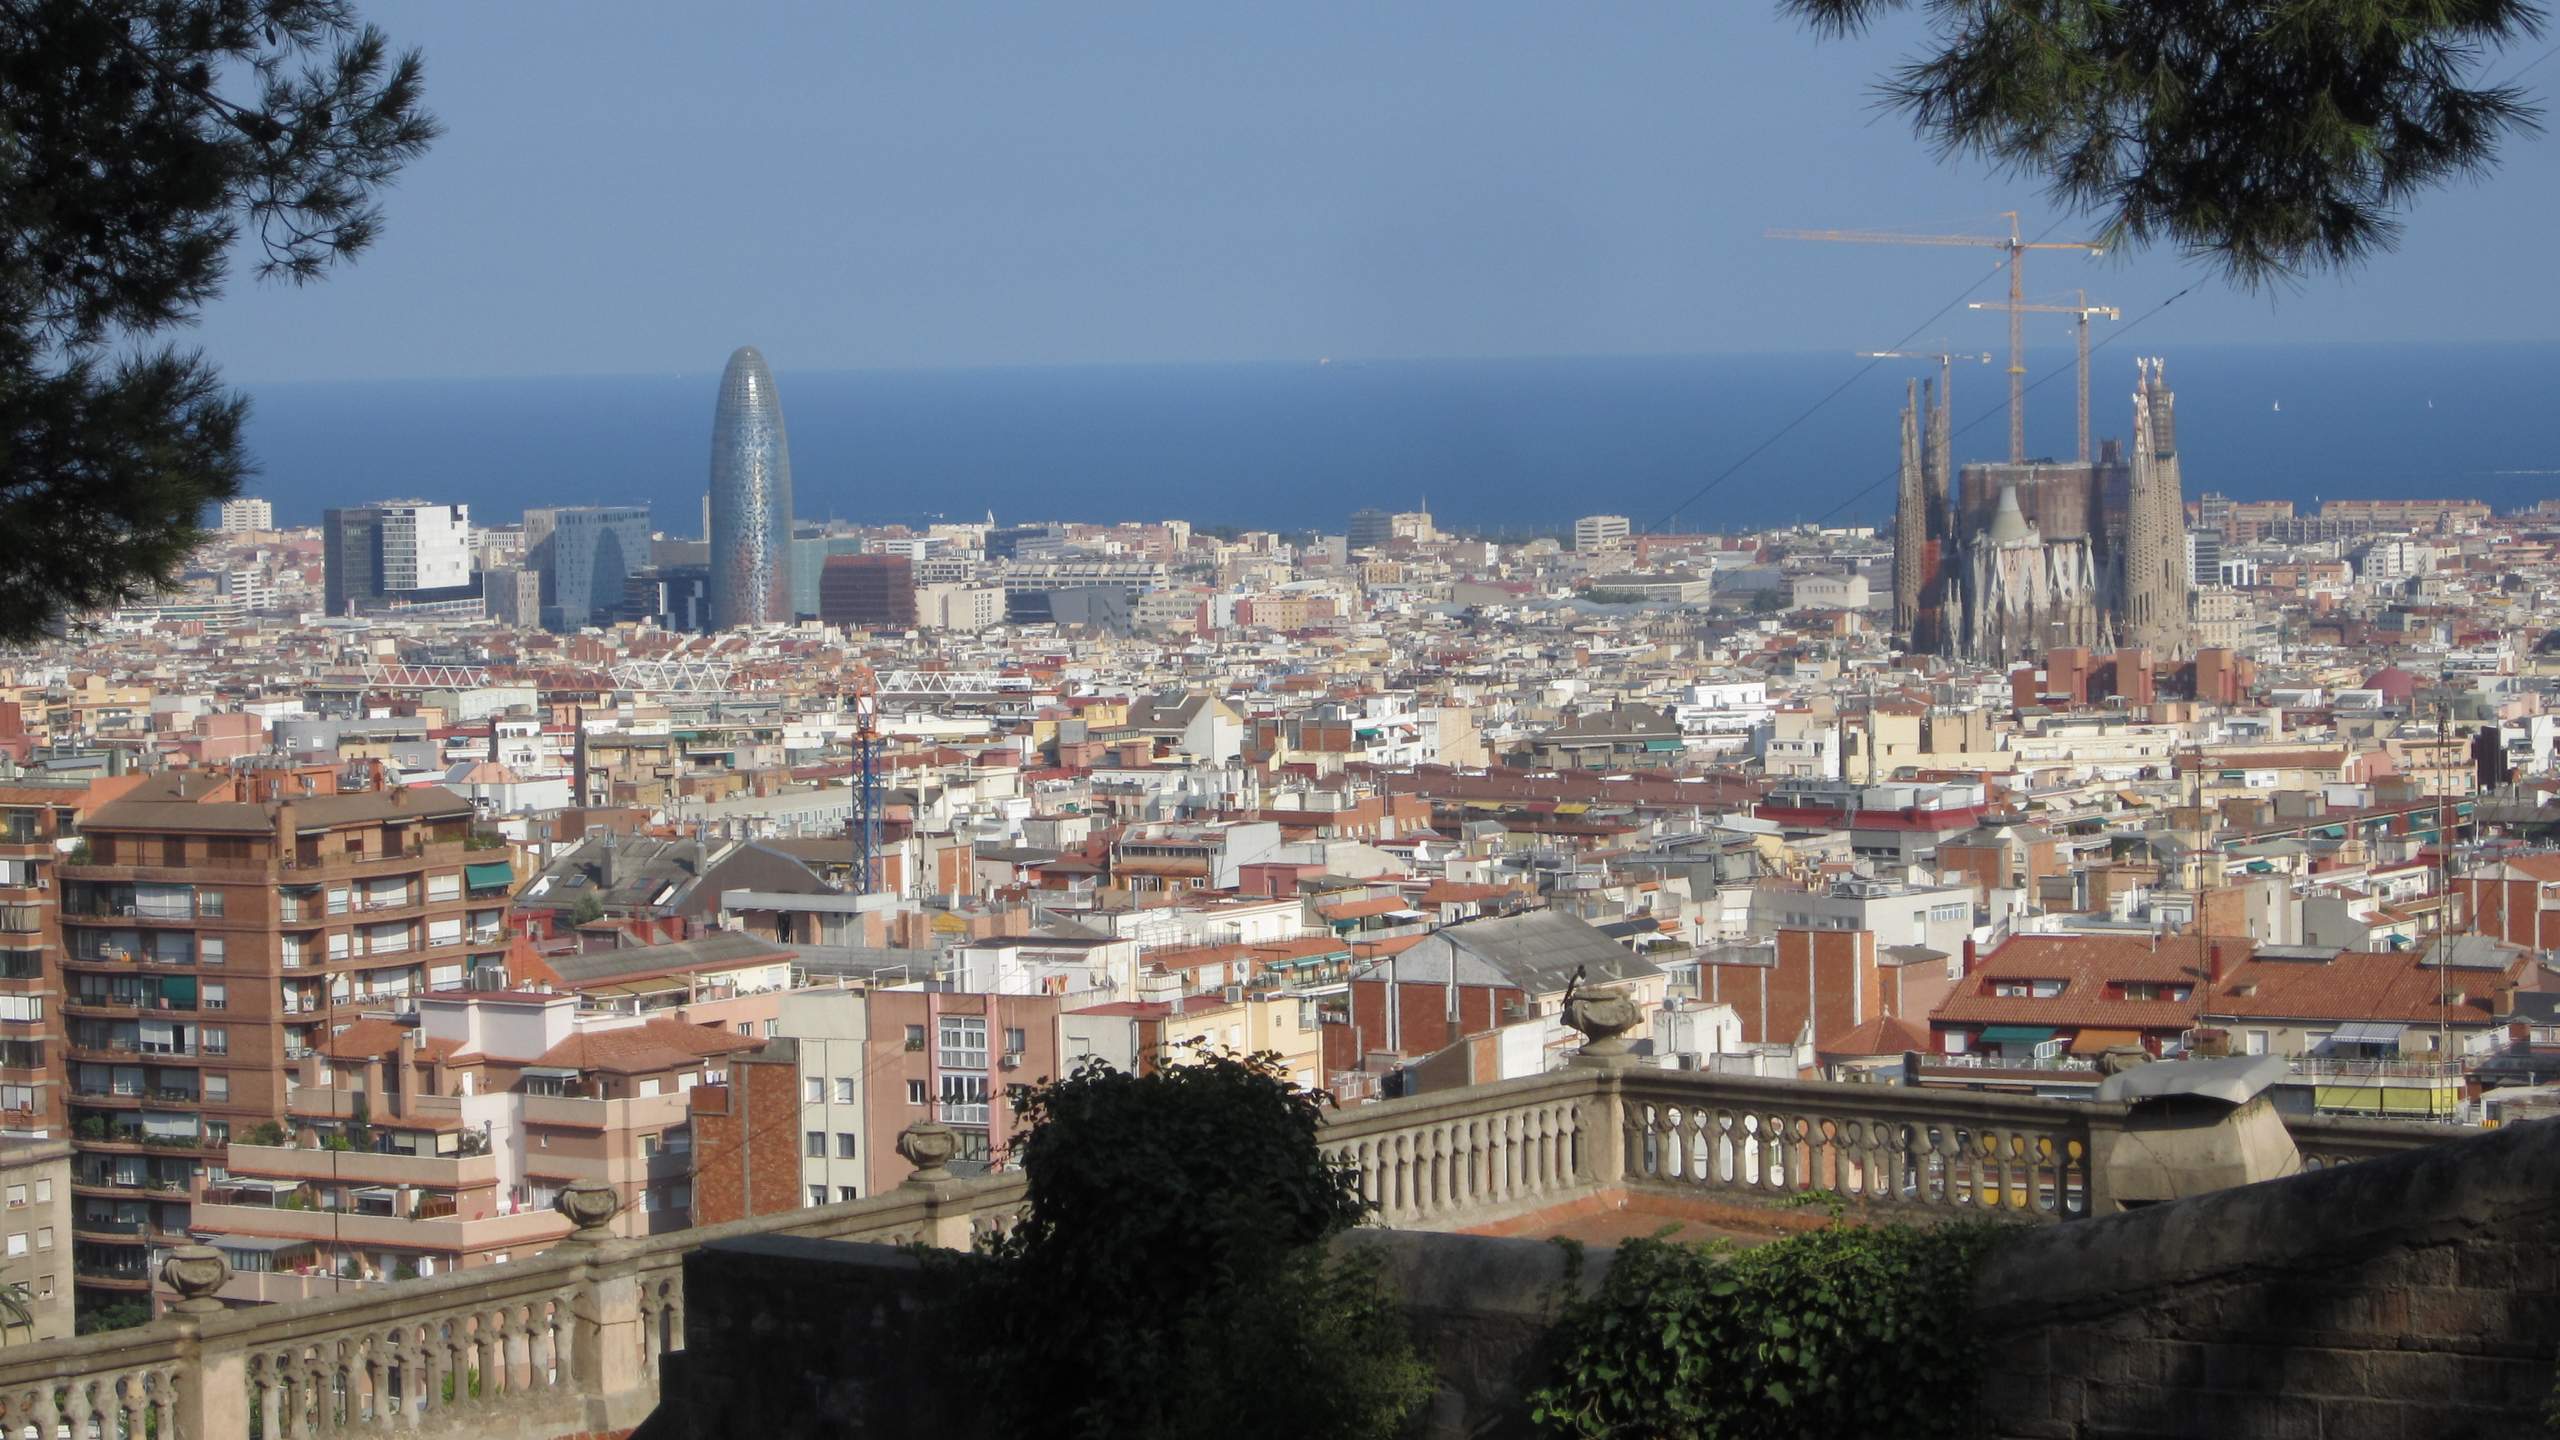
x: 628, y: 185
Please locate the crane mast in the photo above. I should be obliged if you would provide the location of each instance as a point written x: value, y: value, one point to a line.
x: 2016, y: 248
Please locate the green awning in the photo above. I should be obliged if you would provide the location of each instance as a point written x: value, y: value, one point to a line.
x: 179, y: 991
x: 481, y: 877
x: 2015, y: 1034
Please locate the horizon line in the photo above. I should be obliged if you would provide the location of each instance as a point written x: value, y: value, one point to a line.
x: 1309, y: 362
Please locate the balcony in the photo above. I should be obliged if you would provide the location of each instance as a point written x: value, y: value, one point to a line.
x: 1466, y: 1159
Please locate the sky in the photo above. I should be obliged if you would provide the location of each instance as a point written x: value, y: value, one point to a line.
x: 639, y: 186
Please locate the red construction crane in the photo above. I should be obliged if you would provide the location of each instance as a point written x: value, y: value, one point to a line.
x: 2017, y: 250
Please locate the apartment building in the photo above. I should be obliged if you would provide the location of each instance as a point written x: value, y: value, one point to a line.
x: 35, y: 1237
x: 437, y: 1139
x: 39, y: 816
x: 831, y: 1030
x: 949, y: 1057
x: 216, y: 929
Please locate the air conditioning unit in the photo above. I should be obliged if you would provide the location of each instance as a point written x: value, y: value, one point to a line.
x: 1011, y: 1062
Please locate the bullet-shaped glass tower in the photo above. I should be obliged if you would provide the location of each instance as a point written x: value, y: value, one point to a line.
x: 750, y: 498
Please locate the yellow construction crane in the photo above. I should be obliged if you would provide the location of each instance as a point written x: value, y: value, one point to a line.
x: 2083, y: 309
x: 2017, y: 250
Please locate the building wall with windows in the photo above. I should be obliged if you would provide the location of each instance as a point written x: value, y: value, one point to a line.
x: 831, y: 1031
x: 35, y: 1236
x: 949, y: 1057
x: 219, y: 927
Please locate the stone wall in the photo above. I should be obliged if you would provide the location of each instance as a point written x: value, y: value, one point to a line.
x: 2417, y: 1295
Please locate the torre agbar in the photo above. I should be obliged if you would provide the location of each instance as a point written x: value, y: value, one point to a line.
x: 750, y: 498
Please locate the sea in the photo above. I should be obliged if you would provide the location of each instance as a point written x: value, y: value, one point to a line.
x: 1511, y: 446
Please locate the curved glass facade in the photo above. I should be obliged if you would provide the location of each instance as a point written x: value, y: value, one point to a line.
x: 750, y: 498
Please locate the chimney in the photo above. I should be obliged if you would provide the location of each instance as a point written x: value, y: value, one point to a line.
x: 605, y: 862
x: 2213, y: 964
x: 1972, y: 955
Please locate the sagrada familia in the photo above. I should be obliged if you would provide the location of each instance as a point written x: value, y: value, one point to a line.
x: 2013, y: 560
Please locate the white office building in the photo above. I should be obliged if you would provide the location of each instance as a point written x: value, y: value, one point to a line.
x: 1601, y: 532
x: 246, y: 516
x: 424, y: 547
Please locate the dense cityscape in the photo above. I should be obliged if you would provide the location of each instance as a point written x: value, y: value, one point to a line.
x: 396, y: 874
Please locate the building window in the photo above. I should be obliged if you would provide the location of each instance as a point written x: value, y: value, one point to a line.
x: 772, y: 1029
x: 649, y: 1147
x: 844, y: 1145
x: 215, y: 1039
x: 915, y: 1037
x: 816, y: 1145
x: 44, y: 1237
x: 747, y: 1028
x: 817, y: 1195
x: 964, y: 1042
x: 1013, y: 1040
x: 209, y: 949
x: 915, y: 1092
x: 215, y: 996
x: 964, y: 1099
x: 173, y: 853
x: 217, y: 1086
x: 844, y: 1089
x: 845, y: 1194
x: 44, y: 1192
x: 17, y: 1244
x: 17, y: 1197
x: 2257, y: 1042
x: 813, y: 1091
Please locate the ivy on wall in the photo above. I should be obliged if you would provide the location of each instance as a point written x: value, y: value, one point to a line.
x: 1846, y: 1330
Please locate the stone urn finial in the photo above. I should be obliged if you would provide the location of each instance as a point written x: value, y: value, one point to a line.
x: 590, y: 1205
x: 929, y: 1145
x: 1604, y: 1017
x: 195, y: 1272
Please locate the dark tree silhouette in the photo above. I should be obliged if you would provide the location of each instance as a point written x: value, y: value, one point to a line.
x: 2271, y: 137
x: 140, y: 142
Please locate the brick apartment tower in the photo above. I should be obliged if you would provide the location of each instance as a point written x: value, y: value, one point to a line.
x: 746, y: 1138
x: 221, y: 926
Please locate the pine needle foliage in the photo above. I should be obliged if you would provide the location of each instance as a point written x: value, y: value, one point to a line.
x: 144, y: 143
x: 2271, y: 138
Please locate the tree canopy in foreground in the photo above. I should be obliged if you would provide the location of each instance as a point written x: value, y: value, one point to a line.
x: 142, y: 144
x: 2271, y: 137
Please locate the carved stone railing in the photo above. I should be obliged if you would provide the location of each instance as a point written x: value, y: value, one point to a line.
x: 1463, y: 1156
x: 1889, y: 1146
x: 569, y: 1341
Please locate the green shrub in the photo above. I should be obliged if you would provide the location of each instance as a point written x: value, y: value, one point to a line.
x: 1846, y: 1330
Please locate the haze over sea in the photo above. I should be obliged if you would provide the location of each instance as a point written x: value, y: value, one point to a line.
x: 1493, y: 444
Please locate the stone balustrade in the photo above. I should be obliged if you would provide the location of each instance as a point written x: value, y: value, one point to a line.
x: 569, y: 1341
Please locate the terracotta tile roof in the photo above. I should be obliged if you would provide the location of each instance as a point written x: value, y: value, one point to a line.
x: 2085, y: 964
x: 1883, y: 1035
x: 2358, y: 985
x: 642, y: 1049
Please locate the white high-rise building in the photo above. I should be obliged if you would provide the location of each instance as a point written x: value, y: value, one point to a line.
x: 424, y: 547
x: 1601, y: 532
x: 246, y: 515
